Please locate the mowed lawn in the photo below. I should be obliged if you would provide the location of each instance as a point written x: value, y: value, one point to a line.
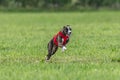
x: 93, y: 52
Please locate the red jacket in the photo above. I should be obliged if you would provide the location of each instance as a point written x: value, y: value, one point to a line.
x: 64, y: 37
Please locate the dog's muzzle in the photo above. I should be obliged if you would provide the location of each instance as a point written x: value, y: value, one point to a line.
x: 69, y: 32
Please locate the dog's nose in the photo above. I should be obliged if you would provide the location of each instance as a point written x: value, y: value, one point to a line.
x: 69, y: 32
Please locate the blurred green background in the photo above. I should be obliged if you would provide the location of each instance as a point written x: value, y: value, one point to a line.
x: 58, y: 5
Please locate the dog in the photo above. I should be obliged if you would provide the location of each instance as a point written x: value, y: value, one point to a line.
x: 59, y: 40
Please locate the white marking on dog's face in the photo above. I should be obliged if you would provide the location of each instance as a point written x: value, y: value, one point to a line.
x: 69, y: 30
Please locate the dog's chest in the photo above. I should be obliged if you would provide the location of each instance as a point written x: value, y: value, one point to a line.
x: 64, y: 40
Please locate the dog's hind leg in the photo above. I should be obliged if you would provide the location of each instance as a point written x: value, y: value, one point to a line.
x: 50, y: 47
x: 55, y: 48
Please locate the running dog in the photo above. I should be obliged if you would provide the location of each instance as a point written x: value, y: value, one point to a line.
x: 59, y: 40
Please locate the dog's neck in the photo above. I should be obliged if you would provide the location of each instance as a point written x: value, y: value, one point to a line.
x: 63, y: 32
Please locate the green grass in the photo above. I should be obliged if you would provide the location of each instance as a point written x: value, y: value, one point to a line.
x: 92, y: 54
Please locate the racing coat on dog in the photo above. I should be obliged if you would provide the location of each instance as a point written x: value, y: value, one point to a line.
x: 64, y: 38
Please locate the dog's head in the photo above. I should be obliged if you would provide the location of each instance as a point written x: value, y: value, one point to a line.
x: 67, y: 30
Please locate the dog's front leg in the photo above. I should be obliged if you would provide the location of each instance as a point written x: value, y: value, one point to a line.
x: 60, y: 43
x: 63, y: 48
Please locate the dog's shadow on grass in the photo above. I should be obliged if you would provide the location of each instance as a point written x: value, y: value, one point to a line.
x: 60, y: 61
x: 81, y: 60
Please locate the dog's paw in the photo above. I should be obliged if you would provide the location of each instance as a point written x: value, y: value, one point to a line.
x: 63, y: 48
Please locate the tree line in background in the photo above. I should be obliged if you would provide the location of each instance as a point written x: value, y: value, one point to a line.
x: 59, y: 4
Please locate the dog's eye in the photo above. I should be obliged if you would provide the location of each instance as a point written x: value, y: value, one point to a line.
x: 66, y: 29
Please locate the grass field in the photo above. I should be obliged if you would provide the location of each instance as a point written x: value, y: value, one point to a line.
x: 92, y: 54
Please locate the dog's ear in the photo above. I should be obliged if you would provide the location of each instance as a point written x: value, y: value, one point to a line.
x: 67, y: 25
x: 64, y: 27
